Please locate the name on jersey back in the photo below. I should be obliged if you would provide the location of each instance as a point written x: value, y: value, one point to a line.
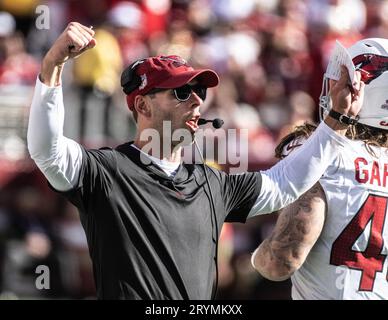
x: 371, y: 172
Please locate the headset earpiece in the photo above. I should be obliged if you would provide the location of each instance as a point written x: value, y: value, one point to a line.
x: 129, y: 79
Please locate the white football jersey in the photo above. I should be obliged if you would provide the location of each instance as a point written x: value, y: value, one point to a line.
x: 349, y: 260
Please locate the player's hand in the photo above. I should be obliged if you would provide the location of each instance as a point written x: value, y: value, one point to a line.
x: 73, y: 41
x: 346, y: 99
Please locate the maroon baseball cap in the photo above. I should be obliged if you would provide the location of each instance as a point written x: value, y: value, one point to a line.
x: 164, y: 72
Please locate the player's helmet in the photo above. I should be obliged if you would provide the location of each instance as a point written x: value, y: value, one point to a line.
x: 370, y: 57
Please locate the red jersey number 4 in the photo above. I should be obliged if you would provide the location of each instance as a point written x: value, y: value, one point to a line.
x: 371, y: 260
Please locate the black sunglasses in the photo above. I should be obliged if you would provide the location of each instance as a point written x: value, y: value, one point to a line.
x: 184, y: 93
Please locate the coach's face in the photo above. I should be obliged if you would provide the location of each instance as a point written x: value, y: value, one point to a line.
x: 165, y: 107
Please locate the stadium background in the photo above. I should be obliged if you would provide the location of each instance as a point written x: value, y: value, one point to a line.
x: 270, y: 55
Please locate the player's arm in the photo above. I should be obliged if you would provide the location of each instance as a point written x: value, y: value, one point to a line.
x: 58, y: 157
x: 290, y: 178
x: 296, y: 231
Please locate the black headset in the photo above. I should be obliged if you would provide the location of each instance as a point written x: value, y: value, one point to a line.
x: 129, y: 79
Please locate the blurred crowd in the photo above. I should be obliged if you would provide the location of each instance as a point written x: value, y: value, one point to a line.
x: 270, y: 55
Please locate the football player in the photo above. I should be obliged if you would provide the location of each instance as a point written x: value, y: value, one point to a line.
x: 332, y: 241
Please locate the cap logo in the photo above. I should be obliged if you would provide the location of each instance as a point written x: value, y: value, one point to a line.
x: 177, y: 62
x: 144, y: 82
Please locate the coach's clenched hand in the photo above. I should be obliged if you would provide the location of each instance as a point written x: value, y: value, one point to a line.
x: 73, y: 41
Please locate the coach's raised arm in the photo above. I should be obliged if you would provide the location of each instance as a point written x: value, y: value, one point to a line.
x: 153, y: 228
x: 288, y: 179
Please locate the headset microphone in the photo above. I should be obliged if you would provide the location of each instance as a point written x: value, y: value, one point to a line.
x: 217, y: 123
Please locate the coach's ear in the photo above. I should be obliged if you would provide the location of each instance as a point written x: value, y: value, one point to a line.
x: 142, y: 106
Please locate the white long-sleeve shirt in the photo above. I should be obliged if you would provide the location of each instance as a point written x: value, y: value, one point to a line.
x: 60, y: 158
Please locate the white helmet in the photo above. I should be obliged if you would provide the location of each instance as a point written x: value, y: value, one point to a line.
x: 370, y: 57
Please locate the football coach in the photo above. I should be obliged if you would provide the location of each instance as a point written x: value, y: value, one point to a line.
x: 152, y: 226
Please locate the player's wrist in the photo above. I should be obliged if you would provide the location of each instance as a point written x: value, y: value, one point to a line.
x: 335, y: 125
x: 343, y: 118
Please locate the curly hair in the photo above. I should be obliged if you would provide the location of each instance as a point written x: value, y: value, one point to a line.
x: 369, y: 135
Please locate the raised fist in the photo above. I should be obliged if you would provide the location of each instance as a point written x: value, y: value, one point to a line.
x: 73, y: 41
